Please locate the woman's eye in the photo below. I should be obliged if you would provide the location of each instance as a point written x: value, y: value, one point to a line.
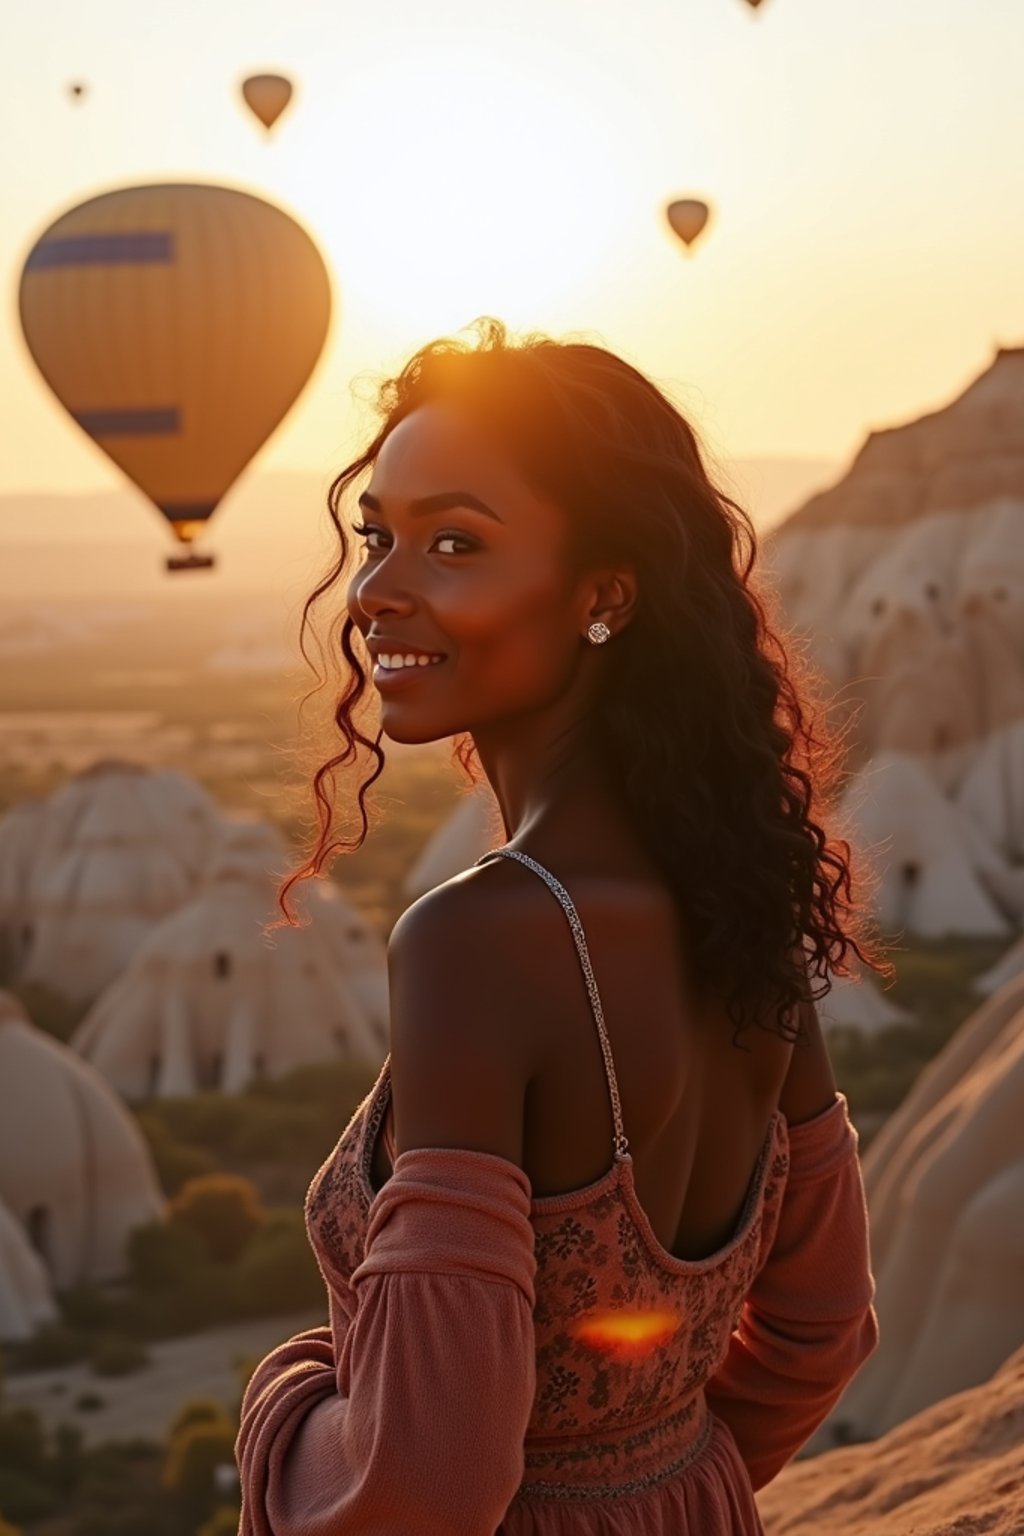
x: 366, y: 534
x: 457, y: 543
x: 460, y: 539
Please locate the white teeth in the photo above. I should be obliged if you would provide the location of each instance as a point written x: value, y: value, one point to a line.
x: 397, y: 661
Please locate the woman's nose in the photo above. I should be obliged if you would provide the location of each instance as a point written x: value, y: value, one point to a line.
x: 379, y: 591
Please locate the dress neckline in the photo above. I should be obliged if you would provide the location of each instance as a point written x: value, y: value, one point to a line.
x: 620, y: 1172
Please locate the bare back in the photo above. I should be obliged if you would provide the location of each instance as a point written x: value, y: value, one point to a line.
x: 695, y: 1108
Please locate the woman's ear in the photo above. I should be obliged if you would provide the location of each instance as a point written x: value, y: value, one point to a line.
x: 612, y: 598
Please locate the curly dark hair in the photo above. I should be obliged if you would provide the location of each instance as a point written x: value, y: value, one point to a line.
x: 700, y: 717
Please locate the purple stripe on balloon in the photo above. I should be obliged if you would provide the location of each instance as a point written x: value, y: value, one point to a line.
x: 102, y: 249
x: 159, y: 421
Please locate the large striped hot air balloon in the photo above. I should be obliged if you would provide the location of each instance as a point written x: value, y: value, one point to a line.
x: 177, y: 324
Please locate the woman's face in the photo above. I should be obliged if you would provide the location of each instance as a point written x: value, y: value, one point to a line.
x: 466, y: 571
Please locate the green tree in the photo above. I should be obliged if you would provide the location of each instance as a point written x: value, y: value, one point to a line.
x: 176, y: 1161
x: 223, y: 1210
x: 278, y: 1272
x: 164, y: 1255
x: 190, y: 1469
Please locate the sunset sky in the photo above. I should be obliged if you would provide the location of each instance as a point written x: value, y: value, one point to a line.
x: 457, y: 157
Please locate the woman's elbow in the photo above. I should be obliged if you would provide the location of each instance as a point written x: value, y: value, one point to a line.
x: 867, y: 1337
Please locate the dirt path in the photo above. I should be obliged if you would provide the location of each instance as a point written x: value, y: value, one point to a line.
x: 143, y: 1404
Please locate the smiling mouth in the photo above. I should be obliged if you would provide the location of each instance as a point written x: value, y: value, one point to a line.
x: 399, y: 662
x: 395, y: 673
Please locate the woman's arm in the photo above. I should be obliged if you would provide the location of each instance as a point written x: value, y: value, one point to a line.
x: 418, y: 1425
x: 807, y: 1324
x: 810, y: 1086
x: 282, y: 1390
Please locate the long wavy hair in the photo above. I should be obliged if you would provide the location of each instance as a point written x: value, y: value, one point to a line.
x: 700, y: 718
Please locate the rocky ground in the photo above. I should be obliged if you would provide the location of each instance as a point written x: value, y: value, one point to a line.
x: 956, y: 1469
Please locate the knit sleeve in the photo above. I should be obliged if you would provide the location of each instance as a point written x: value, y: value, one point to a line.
x: 807, y: 1324
x: 415, y: 1423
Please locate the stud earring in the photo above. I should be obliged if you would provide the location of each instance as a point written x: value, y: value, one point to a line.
x: 598, y: 633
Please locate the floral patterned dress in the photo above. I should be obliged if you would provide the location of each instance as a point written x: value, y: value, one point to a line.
x: 496, y: 1363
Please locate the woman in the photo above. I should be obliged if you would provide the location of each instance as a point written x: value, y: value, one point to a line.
x: 595, y: 1244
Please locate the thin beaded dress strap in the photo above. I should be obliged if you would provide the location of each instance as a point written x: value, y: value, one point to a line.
x: 565, y: 900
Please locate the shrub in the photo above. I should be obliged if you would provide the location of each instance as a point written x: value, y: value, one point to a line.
x: 118, y: 1493
x: 244, y: 1366
x: 114, y: 1354
x: 210, y: 1121
x: 175, y: 1161
x: 121, y: 1453
x: 223, y: 1210
x: 197, y: 1410
x: 277, y: 1132
x: 25, y: 1498
x: 193, y: 1457
x: 278, y: 1272
x: 224, y: 1522
x: 52, y: 1344
x: 66, y: 1463
x: 85, y: 1306
x: 297, y: 1117
x: 129, y: 1521
x: 203, y: 1297
x: 22, y: 1441
x: 210, y: 1298
x: 164, y: 1255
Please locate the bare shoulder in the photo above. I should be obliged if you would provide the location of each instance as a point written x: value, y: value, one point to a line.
x: 466, y: 987
x: 493, y: 935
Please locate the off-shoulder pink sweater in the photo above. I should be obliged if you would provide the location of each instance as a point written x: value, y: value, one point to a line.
x: 500, y: 1364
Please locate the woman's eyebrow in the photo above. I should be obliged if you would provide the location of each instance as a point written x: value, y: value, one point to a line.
x: 442, y: 501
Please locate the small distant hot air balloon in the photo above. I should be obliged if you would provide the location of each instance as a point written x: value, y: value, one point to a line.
x: 177, y: 324
x: 266, y: 96
x: 77, y: 90
x: 687, y: 216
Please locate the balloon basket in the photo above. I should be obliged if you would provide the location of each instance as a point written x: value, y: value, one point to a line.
x: 190, y: 562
